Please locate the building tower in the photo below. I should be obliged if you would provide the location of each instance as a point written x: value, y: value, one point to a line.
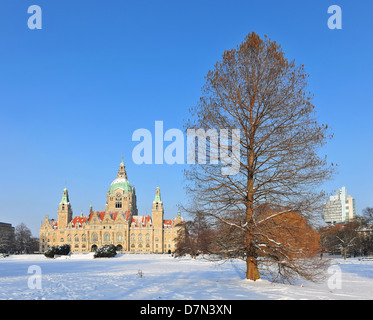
x: 157, y: 220
x: 64, y: 211
x: 121, y: 195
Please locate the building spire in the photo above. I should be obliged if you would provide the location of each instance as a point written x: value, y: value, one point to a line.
x: 157, y: 197
x: 122, y: 170
x: 65, y: 196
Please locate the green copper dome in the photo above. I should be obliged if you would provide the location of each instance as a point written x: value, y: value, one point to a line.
x: 120, y: 183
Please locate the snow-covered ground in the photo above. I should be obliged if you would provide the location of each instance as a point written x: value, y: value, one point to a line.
x: 164, y: 277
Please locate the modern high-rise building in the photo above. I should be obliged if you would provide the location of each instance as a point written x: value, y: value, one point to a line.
x: 340, y: 208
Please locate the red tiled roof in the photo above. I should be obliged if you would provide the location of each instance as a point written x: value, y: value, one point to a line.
x: 54, y: 223
x: 78, y: 220
x: 143, y: 220
x: 168, y: 222
x: 101, y: 214
x: 113, y: 215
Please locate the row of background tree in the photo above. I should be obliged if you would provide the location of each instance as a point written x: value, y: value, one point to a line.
x: 21, y: 241
x: 354, y: 238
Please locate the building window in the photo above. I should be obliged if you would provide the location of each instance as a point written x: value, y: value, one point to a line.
x: 84, y: 237
x: 106, y: 236
x: 140, y: 237
x: 61, y: 240
x: 69, y: 238
x: 76, y: 238
x: 118, y: 204
x: 94, y: 237
x: 147, y: 237
x: 132, y: 237
x: 119, y: 237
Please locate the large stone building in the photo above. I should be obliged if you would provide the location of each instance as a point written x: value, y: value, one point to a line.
x: 119, y: 224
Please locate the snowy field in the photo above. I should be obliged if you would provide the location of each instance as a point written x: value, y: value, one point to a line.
x: 166, y: 278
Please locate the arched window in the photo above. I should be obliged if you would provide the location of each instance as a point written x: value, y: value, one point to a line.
x: 132, y: 237
x: 107, y: 236
x: 76, y: 238
x: 94, y: 237
x: 147, y: 237
x: 119, y: 236
x: 118, y: 201
x: 140, y: 245
x: 69, y: 238
x: 84, y: 237
x: 139, y: 237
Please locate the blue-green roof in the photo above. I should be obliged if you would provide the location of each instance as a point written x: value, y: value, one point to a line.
x: 157, y: 197
x: 120, y: 183
x: 65, y: 196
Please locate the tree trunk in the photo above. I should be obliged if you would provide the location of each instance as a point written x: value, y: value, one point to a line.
x: 252, y: 272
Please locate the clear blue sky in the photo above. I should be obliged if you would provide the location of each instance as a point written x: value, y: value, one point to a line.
x: 72, y: 94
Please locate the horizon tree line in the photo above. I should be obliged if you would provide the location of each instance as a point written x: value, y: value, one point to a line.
x: 355, y: 238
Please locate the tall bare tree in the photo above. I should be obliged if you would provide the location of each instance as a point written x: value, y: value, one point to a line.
x: 23, y: 239
x: 256, y: 90
x: 194, y: 237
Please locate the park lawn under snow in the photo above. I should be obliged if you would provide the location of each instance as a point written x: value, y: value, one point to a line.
x: 164, y: 277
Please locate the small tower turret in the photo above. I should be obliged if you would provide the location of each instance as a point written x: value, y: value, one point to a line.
x: 64, y: 212
x: 157, y: 219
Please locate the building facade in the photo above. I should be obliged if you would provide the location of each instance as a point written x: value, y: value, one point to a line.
x: 119, y: 224
x: 6, y: 237
x: 340, y: 208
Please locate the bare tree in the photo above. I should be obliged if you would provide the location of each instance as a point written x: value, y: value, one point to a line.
x: 256, y: 90
x: 23, y: 239
x: 194, y: 237
x: 368, y: 215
